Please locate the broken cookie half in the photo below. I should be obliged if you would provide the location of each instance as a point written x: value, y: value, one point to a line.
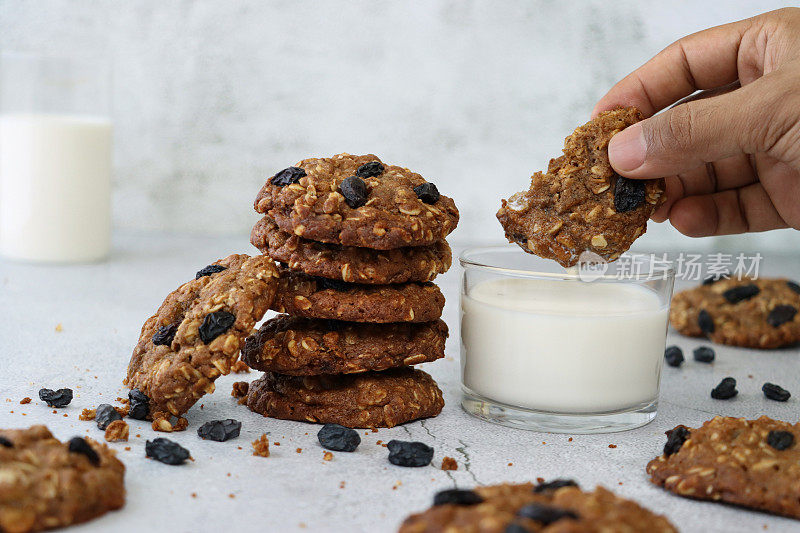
x: 580, y: 204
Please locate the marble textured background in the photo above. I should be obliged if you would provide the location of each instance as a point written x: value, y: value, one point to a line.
x: 211, y: 97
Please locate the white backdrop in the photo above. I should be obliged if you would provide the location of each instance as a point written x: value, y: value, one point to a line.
x: 211, y: 97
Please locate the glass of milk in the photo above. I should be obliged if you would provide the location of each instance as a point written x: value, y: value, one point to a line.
x: 55, y: 158
x: 569, y: 352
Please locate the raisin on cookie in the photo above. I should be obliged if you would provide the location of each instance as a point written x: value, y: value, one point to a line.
x: 555, y: 506
x: 46, y: 483
x: 307, y: 296
x: 750, y: 313
x: 196, y: 334
x: 751, y: 463
x: 580, y: 203
x: 300, y: 346
x: 350, y: 263
x: 357, y: 201
x: 365, y: 400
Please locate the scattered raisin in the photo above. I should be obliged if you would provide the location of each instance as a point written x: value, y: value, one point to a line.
x: 354, y: 191
x: 725, y: 390
x: 457, y: 497
x: 780, y: 440
x: 215, y: 324
x: 287, y: 176
x: 220, y: 430
x: 794, y: 286
x: 781, y: 314
x: 628, y: 194
x: 705, y: 322
x: 675, y: 439
x: 166, y: 451
x: 673, y: 356
x: 406, y: 453
x: 716, y: 277
x: 324, y: 284
x: 338, y: 438
x: 139, y: 405
x: 105, y: 414
x: 554, y: 485
x: 58, y: 398
x: 4, y: 442
x: 545, y: 514
x: 427, y: 192
x: 368, y: 170
x: 209, y: 270
x: 165, y: 334
x: 741, y: 293
x: 704, y: 354
x: 79, y: 445
x: 775, y: 392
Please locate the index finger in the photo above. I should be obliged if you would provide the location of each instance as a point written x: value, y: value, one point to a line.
x: 703, y: 60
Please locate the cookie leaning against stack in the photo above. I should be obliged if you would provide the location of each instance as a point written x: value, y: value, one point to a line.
x: 359, y: 243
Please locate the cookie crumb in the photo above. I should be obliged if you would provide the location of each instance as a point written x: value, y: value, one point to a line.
x: 59, y: 327
x: 240, y: 367
x: 261, y: 446
x: 569, y: 439
x: 448, y: 463
x: 299, y: 450
x: 341, y: 485
x: 116, y: 431
x: 612, y: 446
x: 240, y: 389
x: 276, y: 443
x: 327, y: 457
x: 540, y: 480
x: 194, y: 495
x: 510, y: 464
x: 25, y: 400
x: 231, y: 496
x: 163, y: 422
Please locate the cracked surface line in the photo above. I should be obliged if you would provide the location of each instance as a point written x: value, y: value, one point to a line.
x: 435, y: 441
x: 463, y: 451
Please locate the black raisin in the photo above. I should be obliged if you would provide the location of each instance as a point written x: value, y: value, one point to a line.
x: 138, y: 404
x: 165, y: 334
x: 58, y: 398
x: 6, y: 443
x: 427, y: 192
x: 775, y: 392
x: 105, y: 414
x: 554, y: 485
x: 781, y: 314
x: 674, y: 356
x: 79, y: 445
x: 405, y: 453
x: 368, y: 170
x: 628, y: 194
x: 220, y: 430
x: 705, y: 322
x: 354, y: 191
x: 287, y: 176
x: 741, y: 293
x: 457, y: 497
x: 545, y: 514
x: 215, y: 324
x: 209, y: 270
x: 324, y: 284
x: 780, y: 440
x: 675, y: 439
x: 725, y: 390
x: 338, y: 438
x: 704, y: 354
x: 716, y: 277
x: 794, y: 286
x: 166, y: 451
x: 516, y: 528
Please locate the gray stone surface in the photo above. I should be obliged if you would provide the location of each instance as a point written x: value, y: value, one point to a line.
x: 101, y: 308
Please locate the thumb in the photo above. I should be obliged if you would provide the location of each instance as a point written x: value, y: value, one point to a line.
x: 755, y: 118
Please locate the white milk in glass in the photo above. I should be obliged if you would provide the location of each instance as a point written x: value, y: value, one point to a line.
x: 55, y: 180
x: 563, y: 347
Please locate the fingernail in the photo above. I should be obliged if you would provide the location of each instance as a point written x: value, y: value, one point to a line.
x: 628, y: 148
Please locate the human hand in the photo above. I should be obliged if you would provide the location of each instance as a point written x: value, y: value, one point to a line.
x: 731, y: 153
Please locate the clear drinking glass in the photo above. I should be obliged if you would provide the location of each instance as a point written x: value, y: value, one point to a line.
x: 549, y: 350
x: 55, y: 157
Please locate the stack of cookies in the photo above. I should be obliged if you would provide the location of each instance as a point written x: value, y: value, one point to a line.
x: 358, y: 243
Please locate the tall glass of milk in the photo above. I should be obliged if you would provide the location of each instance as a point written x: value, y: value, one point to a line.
x: 548, y: 350
x: 55, y: 158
